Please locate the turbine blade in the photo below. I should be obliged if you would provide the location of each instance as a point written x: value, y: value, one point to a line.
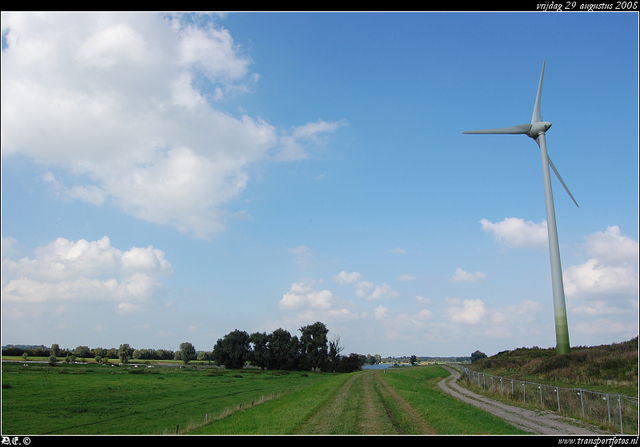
x: 537, y: 117
x: 520, y: 129
x: 561, y: 181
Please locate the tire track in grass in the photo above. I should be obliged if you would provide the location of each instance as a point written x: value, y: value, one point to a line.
x: 337, y: 415
x: 406, y: 419
x: 366, y: 405
x: 374, y: 418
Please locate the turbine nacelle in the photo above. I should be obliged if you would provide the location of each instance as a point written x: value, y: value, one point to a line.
x: 538, y: 128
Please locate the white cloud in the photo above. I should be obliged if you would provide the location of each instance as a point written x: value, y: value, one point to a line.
x: 309, y: 304
x: 612, y: 247
x: 90, y: 193
x: 468, y: 312
x: 8, y: 244
x: 128, y: 101
x: 379, y: 292
x: 304, y: 295
x: 381, y: 313
x: 611, y: 272
x: 402, y: 322
x: 595, y: 278
x: 290, y: 146
x: 599, y: 307
x: 362, y: 288
x: 347, y: 278
x: 383, y: 292
x: 86, y: 272
x: 605, y: 326
x: 517, y: 233
x: 464, y: 276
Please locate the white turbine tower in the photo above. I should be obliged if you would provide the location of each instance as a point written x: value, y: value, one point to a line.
x: 537, y: 130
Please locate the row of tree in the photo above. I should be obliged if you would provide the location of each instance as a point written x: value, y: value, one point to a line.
x: 280, y: 350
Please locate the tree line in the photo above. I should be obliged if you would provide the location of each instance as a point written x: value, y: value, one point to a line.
x: 278, y: 350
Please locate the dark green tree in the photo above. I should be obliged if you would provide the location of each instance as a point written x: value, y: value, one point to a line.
x: 314, y: 344
x: 188, y: 352
x: 333, y: 356
x: 124, y: 353
x: 233, y: 350
x: 349, y: 364
x: 477, y: 356
x: 260, y: 354
x: 284, y: 350
x: 81, y: 351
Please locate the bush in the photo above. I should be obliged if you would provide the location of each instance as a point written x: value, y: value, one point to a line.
x: 349, y: 364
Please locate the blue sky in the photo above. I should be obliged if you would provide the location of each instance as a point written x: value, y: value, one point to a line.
x: 173, y: 178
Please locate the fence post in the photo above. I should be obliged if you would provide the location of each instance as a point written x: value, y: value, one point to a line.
x: 558, y: 396
x: 582, y: 402
x: 620, y: 407
x: 541, y: 404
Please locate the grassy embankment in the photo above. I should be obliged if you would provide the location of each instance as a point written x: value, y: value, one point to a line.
x: 609, y: 369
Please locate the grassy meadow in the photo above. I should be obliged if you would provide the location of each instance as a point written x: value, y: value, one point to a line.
x: 94, y: 399
x: 412, y: 404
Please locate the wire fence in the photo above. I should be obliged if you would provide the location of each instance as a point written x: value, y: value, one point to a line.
x: 616, y: 411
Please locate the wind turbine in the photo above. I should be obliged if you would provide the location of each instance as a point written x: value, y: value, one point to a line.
x: 537, y: 130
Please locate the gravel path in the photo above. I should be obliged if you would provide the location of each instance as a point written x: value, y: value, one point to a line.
x: 541, y: 423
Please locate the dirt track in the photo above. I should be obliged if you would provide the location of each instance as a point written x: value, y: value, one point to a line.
x: 542, y: 423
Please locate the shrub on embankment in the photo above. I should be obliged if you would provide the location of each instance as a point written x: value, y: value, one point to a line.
x: 614, y: 364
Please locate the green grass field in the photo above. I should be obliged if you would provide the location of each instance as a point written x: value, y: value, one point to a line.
x: 96, y: 399
x: 93, y: 399
x: 360, y: 403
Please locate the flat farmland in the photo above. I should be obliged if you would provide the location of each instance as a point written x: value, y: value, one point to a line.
x: 100, y: 400
x: 94, y: 399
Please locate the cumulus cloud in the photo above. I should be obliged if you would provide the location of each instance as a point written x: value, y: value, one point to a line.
x: 132, y: 104
x: 517, y: 233
x: 86, y: 272
x: 464, y: 276
x: 304, y: 295
x: 309, y: 304
x: 467, y: 311
x: 612, y: 270
x: 370, y: 292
